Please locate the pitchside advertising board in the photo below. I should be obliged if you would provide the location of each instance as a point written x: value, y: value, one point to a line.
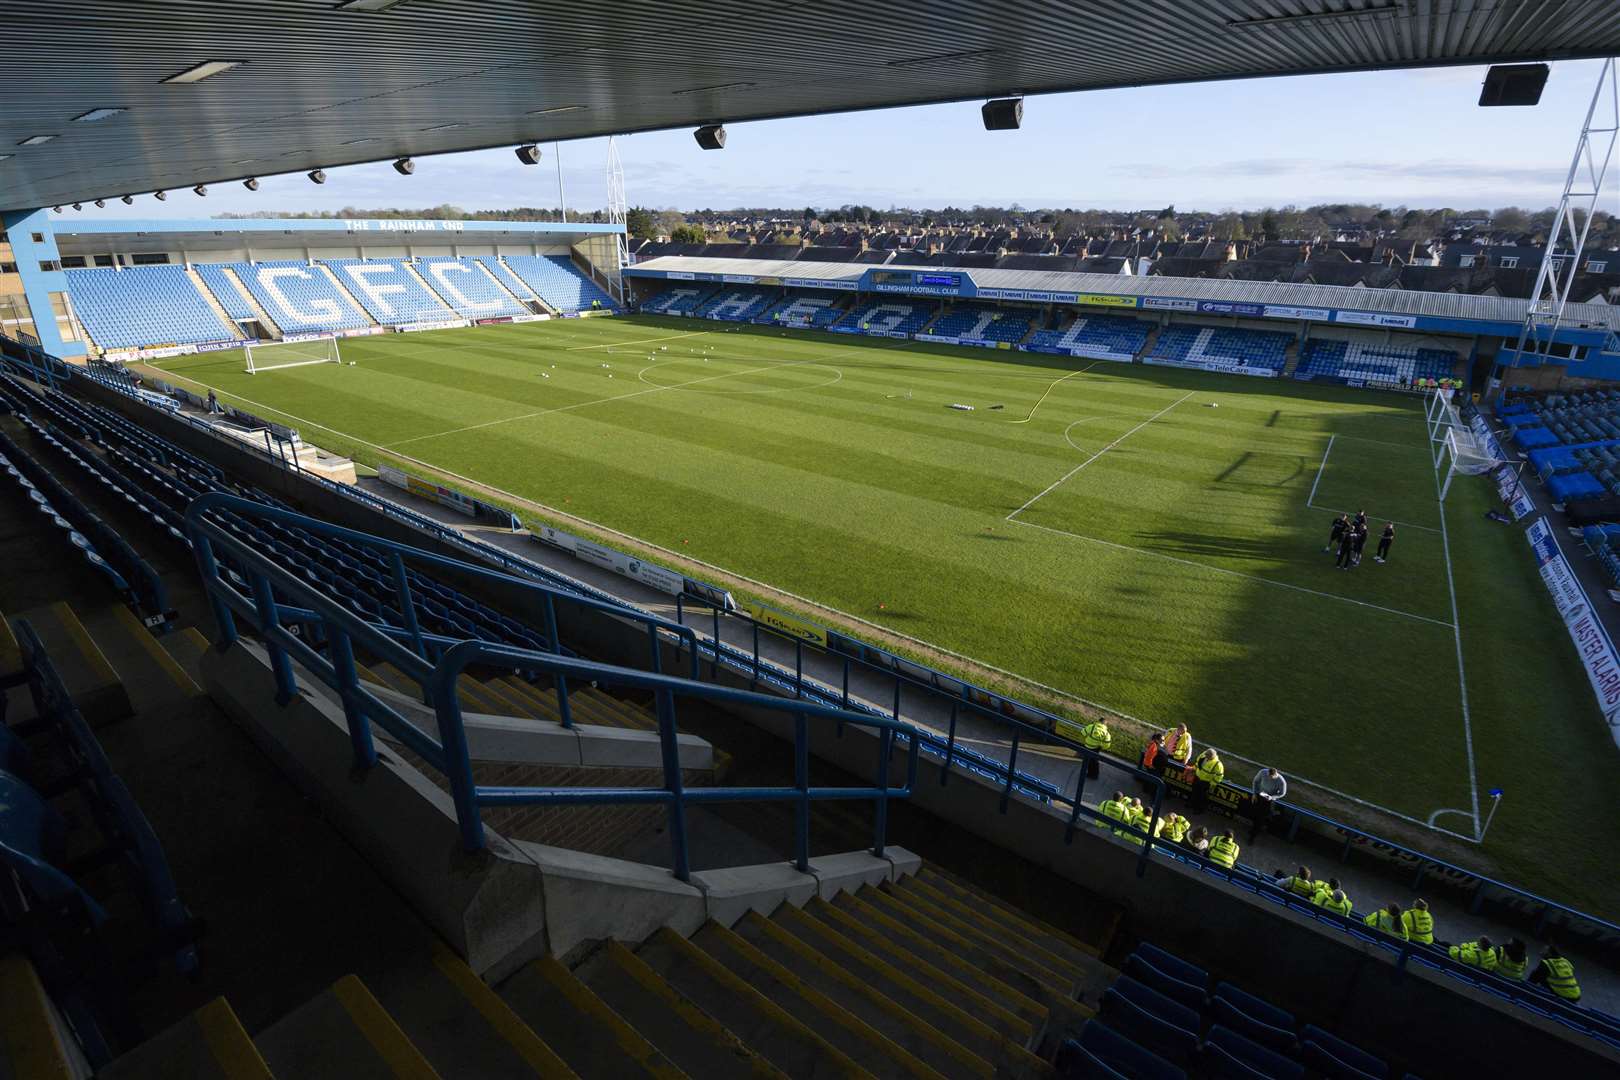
x: 649, y: 574
x: 1591, y: 640
x: 453, y: 500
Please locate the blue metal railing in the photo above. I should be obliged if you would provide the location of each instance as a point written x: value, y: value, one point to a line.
x: 437, y: 667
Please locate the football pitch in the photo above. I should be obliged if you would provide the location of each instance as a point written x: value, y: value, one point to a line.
x: 1149, y: 539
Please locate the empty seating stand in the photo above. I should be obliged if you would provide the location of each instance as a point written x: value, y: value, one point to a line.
x: 1098, y: 337
x: 557, y: 281
x: 299, y: 297
x: 389, y: 291
x: 812, y: 312
x: 734, y: 305
x: 1390, y: 365
x: 1161, y: 1019
x: 885, y: 318
x: 684, y: 300
x: 468, y: 289
x: 143, y: 306
x: 974, y: 324
x: 1251, y: 352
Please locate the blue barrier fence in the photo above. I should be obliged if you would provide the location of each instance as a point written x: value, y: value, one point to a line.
x: 436, y: 669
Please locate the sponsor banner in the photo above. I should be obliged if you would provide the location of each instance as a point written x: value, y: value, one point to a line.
x: 783, y: 623
x: 364, y: 331
x: 771, y: 281
x: 1374, y: 318
x: 1283, y: 311
x: 1082, y: 352
x: 1167, y: 303
x: 219, y: 346
x: 315, y: 337
x: 1105, y: 300
x: 919, y: 290
x: 1230, y: 307
x: 1225, y: 367
x: 443, y: 496
x: 530, y: 318
x: 737, y: 279
x: 1591, y: 640
x: 718, y: 597
x: 441, y: 324
x: 1512, y: 492
x: 495, y: 321
x: 680, y: 275
x: 940, y: 339
x: 654, y: 577
x: 846, y: 285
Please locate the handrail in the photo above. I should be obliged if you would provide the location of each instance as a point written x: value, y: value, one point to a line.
x: 448, y: 752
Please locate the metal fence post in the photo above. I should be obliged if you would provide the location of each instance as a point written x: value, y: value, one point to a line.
x: 211, y: 583
x: 407, y: 606
x: 265, y: 603
x: 1012, y: 770
x: 342, y: 650
x: 1079, y: 801
x: 801, y: 780
x: 457, y: 761
x: 950, y: 744
x: 673, y: 782
x: 565, y: 711
x: 880, y: 814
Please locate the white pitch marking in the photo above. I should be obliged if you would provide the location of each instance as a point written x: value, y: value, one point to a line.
x: 1054, y: 485
x: 1319, y: 470
x: 1050, y: 388
x: 1462, y: 676
x: 1072, y: 424
x: 642, y: 341
x: 1232, y: 573
x: 1310, y: 500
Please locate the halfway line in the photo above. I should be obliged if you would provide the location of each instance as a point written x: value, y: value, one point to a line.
x: 642, y: 341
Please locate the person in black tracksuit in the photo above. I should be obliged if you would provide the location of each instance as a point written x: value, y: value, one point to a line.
x: 1340, y: 524
x: 1385, y: 541
x: 1347, y: 541
x: 1358, y: 541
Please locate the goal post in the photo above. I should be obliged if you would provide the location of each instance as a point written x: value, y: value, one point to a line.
x: 1458, y: 451
x: 1439, y: 414
x: 274, y: 355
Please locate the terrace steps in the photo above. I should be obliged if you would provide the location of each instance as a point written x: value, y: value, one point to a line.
x: 247, y: 294
x: 213, y: 303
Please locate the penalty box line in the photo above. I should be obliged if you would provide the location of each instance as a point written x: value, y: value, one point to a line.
x: 1054, y: 485
x: 1310, y: 500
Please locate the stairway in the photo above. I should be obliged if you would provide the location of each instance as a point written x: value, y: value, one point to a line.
x: 411, y: 271
x: 508, y: 695
x: 1147, y: 346
x: 337, y: 283
x: 213, y: 303
x: 502, y: 285
x: 924, y: 977
x: 1292, y: 360
x: 258, y: 312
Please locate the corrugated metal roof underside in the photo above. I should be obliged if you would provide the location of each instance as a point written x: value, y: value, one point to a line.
x: 321, y: 86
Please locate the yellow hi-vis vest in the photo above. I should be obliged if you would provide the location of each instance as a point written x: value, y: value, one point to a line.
x: 1095, y: 736
x: 1561, y: 978
x: 1419, y: 926
x: 1509, y: 968
x: 1211, y: 771
x: 1471, y: 954
x: 1173, y: 829
x: 1302, y: 887
x: 1383, y: 920
x: 1324, y: 898
x: 1117, y: 811
x: 1223, y: 851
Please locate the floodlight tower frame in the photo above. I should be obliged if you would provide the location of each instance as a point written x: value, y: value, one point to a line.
x: 618, y: 208
x: 1588, y: 169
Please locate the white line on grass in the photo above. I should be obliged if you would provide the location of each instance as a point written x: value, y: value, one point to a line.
x: 653, y: 389
x: 1231, y: 573
x: 1462, y: 677
x: 642, y: 341
x: 1319, y: 470
x: 1072, y: 425
x: 1310, y: 500
x: 1056, y: 483
x: 1052, y: 387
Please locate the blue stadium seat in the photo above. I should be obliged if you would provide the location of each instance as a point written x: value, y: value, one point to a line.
x: 1075, y: 1062
x: 1233, y: 1016
x: 1338, y: 1060
x: 1222, y: 348
x: 1124, y: 1056
x: 734, y: 305
x: 468, y: 289
x: 681, y: 300
x: 1170, y: 1033
x: 1099, y: 337
x: 1258, y: 1008
x: 143, y: 305
x: 557, y: 281
x: 887, y: 318
x: 1354, y: 361
x: 226, y: 291
x: 389, y: 291
x: 1173, y: 965
x: 814, y: 312
x: 975, y: 322
x: 1229, y: 1055
x: 1194, y: 997
x: 299, y: 297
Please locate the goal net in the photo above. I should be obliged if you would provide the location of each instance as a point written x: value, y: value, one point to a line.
x: 1456, y: 448
x: 273, y: 355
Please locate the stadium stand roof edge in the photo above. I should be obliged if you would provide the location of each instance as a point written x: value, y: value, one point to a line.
x: 1394, y: 301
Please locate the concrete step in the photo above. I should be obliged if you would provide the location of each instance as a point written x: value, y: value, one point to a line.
x: 342, y: 1034
x: 511, y: 701
x: 975, y: 924
x: 151, y: 677
x: 577, y: 1024
x: 921, y: 998
x: 460, y: 1025
x: 1054, y: 940
x: 693, y: 1040
x: 993, y: 956
x: 89, y: 677
x: 848, y: 1030
x: 1012, y: 1017
x: 187, y: 647
x: 31, y: 1043
x: 829, y: 973
x: 779, y: 1036
x: 207, y: 1045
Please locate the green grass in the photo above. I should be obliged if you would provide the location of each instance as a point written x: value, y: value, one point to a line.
x: 1176, y: 575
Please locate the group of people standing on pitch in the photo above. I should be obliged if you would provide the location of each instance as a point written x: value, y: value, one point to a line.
x: 1349, y: 536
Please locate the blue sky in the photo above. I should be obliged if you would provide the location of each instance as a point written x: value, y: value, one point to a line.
x: 1411, y: 137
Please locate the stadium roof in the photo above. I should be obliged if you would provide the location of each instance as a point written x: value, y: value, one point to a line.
x: 1461, y: 306
x: 321, y: 83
